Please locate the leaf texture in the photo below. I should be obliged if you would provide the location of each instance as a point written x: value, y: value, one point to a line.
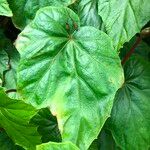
x: 67, y: 68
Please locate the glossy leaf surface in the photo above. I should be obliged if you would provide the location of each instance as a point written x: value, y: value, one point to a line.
x: 68, y: 70
x: 24, y: 10
x: 130, y: 117
x: 123, y: 19
x: 14, y: 118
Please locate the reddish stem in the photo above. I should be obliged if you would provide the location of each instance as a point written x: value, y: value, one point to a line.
x: 137, y: 42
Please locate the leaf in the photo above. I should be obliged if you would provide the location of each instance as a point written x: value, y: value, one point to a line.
x: 88, y: 13
x: 106, y: 141
x: 4, y: 9
x: 130, y: 119
x: 69, y: 71
x: 94, y: 145
x: 123, y: 19
x: 14, y: 118
x: 11, y: 75
x: 9, y: 58
x: 47, y: 126
x: 57, y: 146
x: 6, y: 143
x: 24, y: 11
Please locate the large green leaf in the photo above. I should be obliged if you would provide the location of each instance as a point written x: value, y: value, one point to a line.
x: 47, y: 126
x: 14, y: 118
x: 57, y: 146
x: 68, y: 69
x: 124, y: 18
x: 130, y: 118
x: 4, y: 8
x: 24, y: 11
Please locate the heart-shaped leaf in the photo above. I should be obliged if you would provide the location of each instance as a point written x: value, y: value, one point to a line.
x: 130, y: 118
x: 74, y: 71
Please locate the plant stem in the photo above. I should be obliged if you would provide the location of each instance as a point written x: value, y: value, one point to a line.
x: 137, y: 42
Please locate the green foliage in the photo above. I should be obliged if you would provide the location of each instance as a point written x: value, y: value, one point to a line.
x: 130, y: 118
x: 6, y: 143
x: 62, y: 84
x: 4, y: 8
x: 78, y: 67
x: 24, y: 11
x: 123, y: 19
x: 57, y: 146
x: 47, y: 126
x: 14, y: 118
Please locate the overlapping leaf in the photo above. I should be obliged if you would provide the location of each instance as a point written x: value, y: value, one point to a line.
x: 11, y: 75
x: 57, y: 146
x: 123, y: 19
x: 88, y: 13
x: 4, y: 8
x: 3, y: 62
x: 14, y: 118
x: 130, y: 118
x: 24, y: 10
x: 68, y: 69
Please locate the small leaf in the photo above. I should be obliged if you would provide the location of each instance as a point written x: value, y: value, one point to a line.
x: 57, y: 146
x: 123, y: 18
x: 4, y: 9
x: 68, y: 70
x: 130, y: 118
x: 24, y: 11
x: 47, y: 126
x: 14, y: 118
